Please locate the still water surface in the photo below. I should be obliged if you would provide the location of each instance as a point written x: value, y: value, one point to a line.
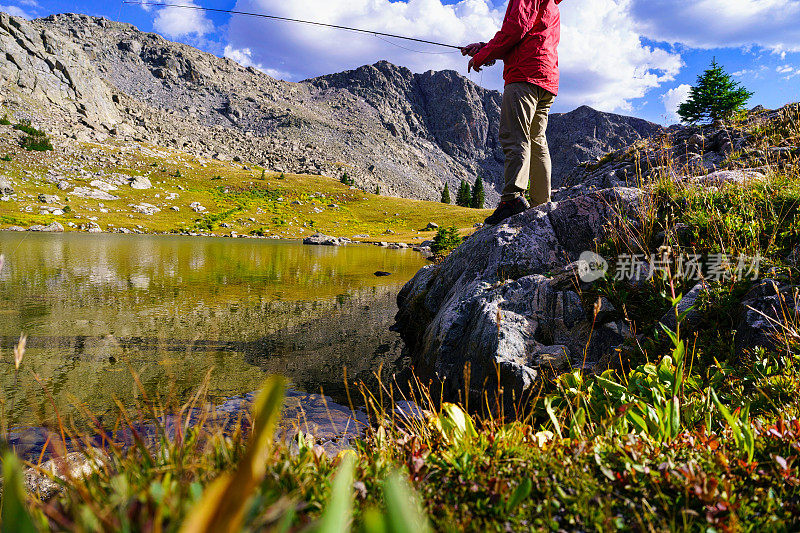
x: 98, y: 307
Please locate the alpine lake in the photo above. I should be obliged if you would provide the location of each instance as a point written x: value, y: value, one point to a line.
x: 103, y: 312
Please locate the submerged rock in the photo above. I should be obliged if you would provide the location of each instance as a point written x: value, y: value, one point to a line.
x: 44, y: 481
x: 508, y: 299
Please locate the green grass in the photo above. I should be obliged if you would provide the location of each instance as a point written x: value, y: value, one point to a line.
x: 249, y: 202
x: 580, y: 463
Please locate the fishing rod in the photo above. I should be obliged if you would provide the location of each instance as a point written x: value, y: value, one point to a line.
x: 286, y: 19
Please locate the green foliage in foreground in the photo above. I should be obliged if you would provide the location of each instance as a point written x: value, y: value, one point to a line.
x: 604, y: 455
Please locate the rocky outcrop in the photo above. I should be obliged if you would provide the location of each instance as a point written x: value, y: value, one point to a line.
x: 509, y: 299
x: 91, y: 78
x: 319, y: 239
x: 40, y: 66
x: 710, y: 155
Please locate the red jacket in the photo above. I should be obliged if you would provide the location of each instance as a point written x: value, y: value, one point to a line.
x: 527, y: 43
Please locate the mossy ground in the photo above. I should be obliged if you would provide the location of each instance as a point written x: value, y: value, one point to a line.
x: 249, y: 200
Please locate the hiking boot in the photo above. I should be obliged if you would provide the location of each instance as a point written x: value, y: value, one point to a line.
x: 507, y: 209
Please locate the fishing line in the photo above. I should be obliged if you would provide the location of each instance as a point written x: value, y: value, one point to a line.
x: 287, y: 19
x: 415, y: 51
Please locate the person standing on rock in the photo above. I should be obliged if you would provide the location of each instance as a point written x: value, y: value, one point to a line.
x: 528, y: 45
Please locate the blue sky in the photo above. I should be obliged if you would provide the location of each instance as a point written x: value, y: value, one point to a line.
x: 636, y: 57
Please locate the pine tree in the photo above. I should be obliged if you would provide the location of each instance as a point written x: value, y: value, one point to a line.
x: 446, y: 194
x: 478, y: 195
x: 715, y: 97
x: 464, y: 196
x: 377, y: 190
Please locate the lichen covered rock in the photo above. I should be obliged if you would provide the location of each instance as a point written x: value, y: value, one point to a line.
x: 508, y: 299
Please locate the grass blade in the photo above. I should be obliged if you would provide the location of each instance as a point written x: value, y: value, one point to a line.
x: 222, y: 507
x: 15, y: 516
x: 339, y: 513
x: 403, y: 511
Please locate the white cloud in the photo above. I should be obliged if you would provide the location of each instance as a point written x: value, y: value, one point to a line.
x: 176, y: 22
x: 244, y: 57
x: 770, y: 24
x: 787, y: 71
x: 672, y: 100
x: 15, y: 11
x: 603, y: 61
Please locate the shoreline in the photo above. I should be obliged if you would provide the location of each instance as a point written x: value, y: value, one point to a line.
x: 424, y: 250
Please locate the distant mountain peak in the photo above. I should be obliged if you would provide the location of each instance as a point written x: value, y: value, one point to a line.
x: 91, y: 78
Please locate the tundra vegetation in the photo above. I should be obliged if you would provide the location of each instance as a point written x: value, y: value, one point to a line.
x: 250, y: 201
x: 684, y: 432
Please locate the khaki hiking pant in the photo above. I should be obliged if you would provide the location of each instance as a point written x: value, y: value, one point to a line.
x: 523, y: 123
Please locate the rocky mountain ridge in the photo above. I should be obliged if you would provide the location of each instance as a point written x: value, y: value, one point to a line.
x: 90, y: 78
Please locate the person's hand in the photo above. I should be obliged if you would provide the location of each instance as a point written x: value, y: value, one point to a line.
x: 472, y: 49
x: 473, y: 66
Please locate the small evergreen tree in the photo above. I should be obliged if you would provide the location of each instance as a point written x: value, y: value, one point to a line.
x: 478, y: 195
x: 464, y: 196
x: 377, y: 190
x: 446, y: 194
x: 716, y: 96
x: 446, y: 240
x: 346, y: 180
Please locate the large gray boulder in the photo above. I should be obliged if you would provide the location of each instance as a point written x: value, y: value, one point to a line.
x: 6, y: 188
x: 508, y: 299
x: 319, y: 239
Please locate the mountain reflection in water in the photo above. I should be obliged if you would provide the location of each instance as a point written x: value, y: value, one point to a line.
x: 96, y: 308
